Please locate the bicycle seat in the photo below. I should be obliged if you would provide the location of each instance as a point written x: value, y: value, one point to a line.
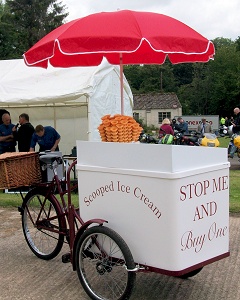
x: 50, y: 158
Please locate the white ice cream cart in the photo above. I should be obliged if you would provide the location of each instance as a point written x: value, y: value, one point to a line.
x: 169, y: 203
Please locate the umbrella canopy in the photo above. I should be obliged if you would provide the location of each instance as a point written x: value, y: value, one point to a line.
x: 123, y: 37
x: 140, y: 38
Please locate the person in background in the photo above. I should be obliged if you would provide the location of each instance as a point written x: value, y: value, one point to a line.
x: 231, y: 120
x: 47, y: 138
x: 3, y: 111
x: 204, y: 127
x: 227, y: 122
x: 222, y: 121
x: 230, y: 125
x: 165, y: 128
x: 23, y: 134
x: 182, y: 125
x: 235, y: 130
x: 7, y: 142
x: 174, y: 124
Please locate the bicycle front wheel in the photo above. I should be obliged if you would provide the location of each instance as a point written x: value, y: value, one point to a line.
x: 42, y: 224
x: 103, y: 261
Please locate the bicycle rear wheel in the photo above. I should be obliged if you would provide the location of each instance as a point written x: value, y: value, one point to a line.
x: 41, y: 223
x: 190, y: 274
x: 103, y: 261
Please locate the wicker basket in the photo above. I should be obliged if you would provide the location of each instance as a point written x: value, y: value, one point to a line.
x: 19, y: 169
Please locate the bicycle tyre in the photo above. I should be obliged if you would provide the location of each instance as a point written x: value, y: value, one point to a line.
x: 102, y: 275
x: 190, y: 274
x: 44, y: 243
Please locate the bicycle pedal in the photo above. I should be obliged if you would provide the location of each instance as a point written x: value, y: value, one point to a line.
x: 20, y: 209
x: 66, y: 258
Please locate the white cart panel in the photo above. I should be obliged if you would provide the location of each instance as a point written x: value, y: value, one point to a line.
x: 169, y: 203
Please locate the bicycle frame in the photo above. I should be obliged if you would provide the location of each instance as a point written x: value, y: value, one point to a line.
x: 72, y: 222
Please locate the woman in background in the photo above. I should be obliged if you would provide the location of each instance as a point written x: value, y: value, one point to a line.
x: 165, y: 128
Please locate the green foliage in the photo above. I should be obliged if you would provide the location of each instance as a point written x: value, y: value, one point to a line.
x: 151, y: 78
x: 225, y: 70
x: 7, y: 34
x: 147, y: 129
x: 202, y: 88
x: 183, y: 74
x: 238, y: 44
x: 24, y: 22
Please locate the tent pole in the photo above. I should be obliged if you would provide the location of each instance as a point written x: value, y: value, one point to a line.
x: 54, y: 116
x: 89, y: 115
x: 121, y: 83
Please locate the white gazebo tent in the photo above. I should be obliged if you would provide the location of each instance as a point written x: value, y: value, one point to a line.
x: 72, y: 100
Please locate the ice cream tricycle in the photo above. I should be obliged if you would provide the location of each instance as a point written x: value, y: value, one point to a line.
x: 158, y: 209
x: 142, y: 208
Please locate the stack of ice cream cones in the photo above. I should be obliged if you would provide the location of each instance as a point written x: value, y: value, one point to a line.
x: 119, y: 128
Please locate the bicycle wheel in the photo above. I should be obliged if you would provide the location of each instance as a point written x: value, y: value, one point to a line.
x: 41, y: 223
x: 102, y: 262
x: 190, y: 274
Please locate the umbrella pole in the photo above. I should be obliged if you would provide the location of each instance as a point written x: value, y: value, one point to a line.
x: 121, y: 84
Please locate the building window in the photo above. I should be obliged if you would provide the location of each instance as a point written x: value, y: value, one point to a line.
x: 163, y: 115
x: 136, y: 116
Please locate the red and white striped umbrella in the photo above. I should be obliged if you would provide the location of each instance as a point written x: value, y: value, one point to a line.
x: 123, y: 37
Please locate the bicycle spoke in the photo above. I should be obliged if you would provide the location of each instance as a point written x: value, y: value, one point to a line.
x: 41, y: 225
x: 102, y: 261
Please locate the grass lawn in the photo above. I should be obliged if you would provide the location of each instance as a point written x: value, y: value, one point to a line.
x: 224, y: 141
x: 13, y: 200
x: 234, y: 191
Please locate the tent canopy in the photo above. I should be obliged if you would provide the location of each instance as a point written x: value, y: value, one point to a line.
x: 20, y: 84
x: 65, y: 95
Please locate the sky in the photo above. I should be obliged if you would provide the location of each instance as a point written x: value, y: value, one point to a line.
x: 211, y: 18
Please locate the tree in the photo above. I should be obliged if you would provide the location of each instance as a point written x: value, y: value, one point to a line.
x: 7, y: 34
x: 183, y: 73
x: 151, y: 78
x: 225, y: 72
x: 221, y: 42
x: 215, y: 85
x: 238, y: 44
x: 28, y: 21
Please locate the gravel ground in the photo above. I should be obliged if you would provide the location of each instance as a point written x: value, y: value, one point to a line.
x: 24, y: 276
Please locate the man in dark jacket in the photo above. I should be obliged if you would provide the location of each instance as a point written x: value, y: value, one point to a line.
x: 23, y: 132
x: 236, y: 123
x: 235, y: 130
x: 182, y: 125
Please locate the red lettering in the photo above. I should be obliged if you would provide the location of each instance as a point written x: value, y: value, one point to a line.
x: 183, y: 193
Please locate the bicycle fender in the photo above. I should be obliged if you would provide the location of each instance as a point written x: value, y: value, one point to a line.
x: 84, y: 226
